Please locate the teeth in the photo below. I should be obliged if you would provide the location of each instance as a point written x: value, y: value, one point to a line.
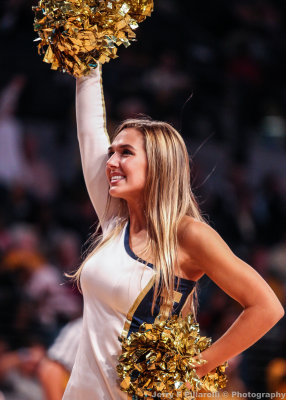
x: 116, y: 178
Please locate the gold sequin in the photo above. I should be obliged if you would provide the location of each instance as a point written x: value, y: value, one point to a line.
x: 161, y: 358
x: 76, y: 35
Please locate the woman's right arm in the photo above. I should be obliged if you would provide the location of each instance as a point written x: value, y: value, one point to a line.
x: 93, y: 138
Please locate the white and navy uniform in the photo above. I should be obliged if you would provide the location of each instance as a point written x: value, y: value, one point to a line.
x: 117, y: 286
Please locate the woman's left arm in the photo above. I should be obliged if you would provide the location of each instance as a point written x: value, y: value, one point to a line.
x: 261, y: 308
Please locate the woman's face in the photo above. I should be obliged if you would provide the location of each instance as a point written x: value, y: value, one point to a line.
x: 126, y: 168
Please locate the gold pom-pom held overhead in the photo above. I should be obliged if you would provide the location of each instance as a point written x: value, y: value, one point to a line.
x: 160, y: 359
x: 76, y: 35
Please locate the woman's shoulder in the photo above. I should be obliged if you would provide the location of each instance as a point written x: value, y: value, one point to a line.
x: 196, y: 237
x: 193, y: 229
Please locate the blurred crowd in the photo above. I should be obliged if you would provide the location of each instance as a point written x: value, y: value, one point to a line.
x: 216, y: 71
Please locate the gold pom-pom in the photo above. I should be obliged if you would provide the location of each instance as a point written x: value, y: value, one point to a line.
x: 160, y: 360
x: 76, y: 35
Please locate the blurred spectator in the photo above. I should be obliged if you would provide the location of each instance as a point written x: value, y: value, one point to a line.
x: 12, y: 164
x: 18, y: 373
x: 52, y: 303
x: 55, y: 368
x: 39, y: 177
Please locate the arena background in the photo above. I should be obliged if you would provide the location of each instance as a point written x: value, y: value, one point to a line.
x: 216, y: 71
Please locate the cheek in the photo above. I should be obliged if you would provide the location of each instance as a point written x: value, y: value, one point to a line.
x: 145, y: 169
x: 142, y: 175
x: 106, y: 170
x: 135, y: 170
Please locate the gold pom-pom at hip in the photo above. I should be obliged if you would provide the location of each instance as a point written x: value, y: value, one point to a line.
x: 160, y: 360
x: 76, y: 35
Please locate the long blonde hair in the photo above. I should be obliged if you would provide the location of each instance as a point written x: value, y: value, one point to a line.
x: 167, y: 199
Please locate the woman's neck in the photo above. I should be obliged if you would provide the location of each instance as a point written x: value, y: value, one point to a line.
x: 137, y: 217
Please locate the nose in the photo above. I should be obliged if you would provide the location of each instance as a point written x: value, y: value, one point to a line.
x: 113, y: 161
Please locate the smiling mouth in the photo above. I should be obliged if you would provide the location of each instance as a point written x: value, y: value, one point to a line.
x: 116, y: 178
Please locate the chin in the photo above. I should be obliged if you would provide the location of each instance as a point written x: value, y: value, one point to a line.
x: 116, y: 194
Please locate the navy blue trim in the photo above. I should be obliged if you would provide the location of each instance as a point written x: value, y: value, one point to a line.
x: 129, y: 251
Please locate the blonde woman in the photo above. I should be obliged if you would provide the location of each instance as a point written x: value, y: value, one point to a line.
x: 154, y: 247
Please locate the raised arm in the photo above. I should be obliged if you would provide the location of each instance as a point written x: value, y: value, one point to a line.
x: 93, y: 138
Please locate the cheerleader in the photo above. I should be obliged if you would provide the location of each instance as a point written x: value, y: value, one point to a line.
x: 154, y: 247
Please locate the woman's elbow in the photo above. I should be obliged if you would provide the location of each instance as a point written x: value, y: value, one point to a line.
x: 280, y: 312
x: 275, y: 313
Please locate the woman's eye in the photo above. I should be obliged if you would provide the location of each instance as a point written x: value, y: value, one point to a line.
x: 126, y: 151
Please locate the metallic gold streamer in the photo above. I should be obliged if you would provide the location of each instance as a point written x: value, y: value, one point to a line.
x: 76, y: 35
x: 160, y: 360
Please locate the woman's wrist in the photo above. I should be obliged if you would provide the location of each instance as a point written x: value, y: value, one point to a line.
x: 205, y: 363
x: 202, y: 370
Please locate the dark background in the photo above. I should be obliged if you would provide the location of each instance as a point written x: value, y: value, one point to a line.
x: 216, y: 71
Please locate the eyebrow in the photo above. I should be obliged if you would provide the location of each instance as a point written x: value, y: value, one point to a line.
x: 122, y: 146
